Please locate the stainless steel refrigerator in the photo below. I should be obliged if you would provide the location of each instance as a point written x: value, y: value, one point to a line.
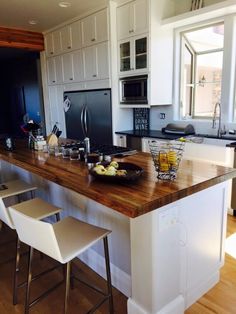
x: 89, y: 114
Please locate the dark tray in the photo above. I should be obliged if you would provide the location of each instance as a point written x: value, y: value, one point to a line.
x: 133, y: 173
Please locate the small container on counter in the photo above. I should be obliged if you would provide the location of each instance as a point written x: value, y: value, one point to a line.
x: 92, y: 160
x: 74, y: 153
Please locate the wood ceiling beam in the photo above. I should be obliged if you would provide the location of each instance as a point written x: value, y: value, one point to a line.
x: 17, y: 38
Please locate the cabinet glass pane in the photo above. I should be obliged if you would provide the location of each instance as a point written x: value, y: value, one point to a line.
x: 125, y: 56
x: 141, y: 53
x: 141, y: 46
x: 125, y: 64
x: 125, y: 50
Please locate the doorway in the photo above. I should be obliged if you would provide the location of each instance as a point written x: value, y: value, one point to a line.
x: 20, y: 90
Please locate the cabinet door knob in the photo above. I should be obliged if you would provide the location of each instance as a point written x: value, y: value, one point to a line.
x: 51, y: 53
x: 71, y: 78
x: 69, y: 47
x: 54, y: 81
x: 131, y: 31
x: 94, y: 75
x: 93, y: 39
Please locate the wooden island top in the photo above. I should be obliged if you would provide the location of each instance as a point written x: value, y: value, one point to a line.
x: 131, y: 199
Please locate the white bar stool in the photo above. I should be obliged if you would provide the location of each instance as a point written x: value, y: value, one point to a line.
x: 15, y: 188
x: 36, y: 208
x: 62, y: 241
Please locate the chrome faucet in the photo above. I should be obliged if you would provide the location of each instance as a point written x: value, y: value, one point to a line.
x: 219, y: 131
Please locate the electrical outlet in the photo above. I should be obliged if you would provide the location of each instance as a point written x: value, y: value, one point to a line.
x: 162, y: 115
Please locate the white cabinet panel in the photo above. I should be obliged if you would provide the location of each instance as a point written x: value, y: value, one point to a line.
x: 51, y: 71
x: 49, y: 44
x: 73, y: 69
x: 54, y: 69
x: 96, y: 62
x: 140, y: 16
x: 102, y: 60
x: 123, y: 21
x: 88, y: 31
x: 75, y: 31
x: 90, y: 63
x: 132, y: 19
x: 53, y: 43
x: 94, y: 28
x: 66, y: 40
x: 68, y: 72
x: 78, y: 66
x: 101, y: 26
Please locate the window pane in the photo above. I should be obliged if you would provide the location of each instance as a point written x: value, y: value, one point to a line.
x: 187, y: 94
x: 208, y: 83
x: 208, y: 38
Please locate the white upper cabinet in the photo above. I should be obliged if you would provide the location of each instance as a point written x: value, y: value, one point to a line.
x: 54, y: 70
x: 68, y: 71
x: 132, y: 19
x: 94, y: 28
x: 71, y: 36
x: 96, y: 62
x: 73, y: 70
x: 53, y: 43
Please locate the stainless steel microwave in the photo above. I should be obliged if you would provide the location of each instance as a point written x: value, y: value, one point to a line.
x: 134, y: 90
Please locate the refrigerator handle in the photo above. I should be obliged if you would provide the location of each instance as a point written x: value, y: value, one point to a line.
x: 82, y: 120
x: 86, y: 121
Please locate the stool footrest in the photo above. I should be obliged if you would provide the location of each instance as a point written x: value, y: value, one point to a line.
x: 90, y: 285
x: 46, y: 293
x: 39, y: 275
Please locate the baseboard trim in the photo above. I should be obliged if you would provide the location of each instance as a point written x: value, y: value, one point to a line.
x: 120, y: 279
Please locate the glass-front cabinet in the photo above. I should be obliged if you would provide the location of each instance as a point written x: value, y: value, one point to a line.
x: 125, y: 57
x: 133, y: 55
x: 141, y: 53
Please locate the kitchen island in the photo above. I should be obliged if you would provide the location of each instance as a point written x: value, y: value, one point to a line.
x: 167, y: 242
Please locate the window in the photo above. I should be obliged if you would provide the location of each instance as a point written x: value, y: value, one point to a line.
x: 201, y: 72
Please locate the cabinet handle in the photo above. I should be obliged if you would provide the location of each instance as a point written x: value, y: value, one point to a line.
x: 94, y: 75
x: 51, y: 53
x: 131, y: 31
x: 54, y: 81
x: 69, y: 47
x: 71, y: 78
x: 93, y: 39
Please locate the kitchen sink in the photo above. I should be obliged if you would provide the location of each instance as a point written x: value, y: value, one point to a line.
x: 229, y: 137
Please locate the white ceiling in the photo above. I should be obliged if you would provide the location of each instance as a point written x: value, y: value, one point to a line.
x: 17, y: 13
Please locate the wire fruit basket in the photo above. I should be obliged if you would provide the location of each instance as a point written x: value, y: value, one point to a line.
x: 166, y: 156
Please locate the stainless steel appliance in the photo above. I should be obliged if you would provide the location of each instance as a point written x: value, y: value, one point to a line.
x: 134, y: 90
x: 88, y: 114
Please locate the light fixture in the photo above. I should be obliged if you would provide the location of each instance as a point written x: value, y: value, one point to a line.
x: 202, y: 81
x: 33, y: 22
x: 64, y: 4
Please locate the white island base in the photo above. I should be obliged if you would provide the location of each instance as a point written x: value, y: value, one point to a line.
x: 177, y: 252
x: 163, y: 261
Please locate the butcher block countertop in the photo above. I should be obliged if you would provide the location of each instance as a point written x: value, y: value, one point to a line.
x: 131, y: 199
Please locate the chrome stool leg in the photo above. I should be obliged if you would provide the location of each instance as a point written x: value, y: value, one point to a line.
x: 17, y: 269
x: 108, y: 271
x: 27, y: 299
x: 67, y: 286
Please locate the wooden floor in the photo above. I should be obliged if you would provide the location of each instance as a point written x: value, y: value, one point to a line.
x: 221, y: 299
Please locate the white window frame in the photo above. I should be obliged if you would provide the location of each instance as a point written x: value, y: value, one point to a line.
x: 228, y: 94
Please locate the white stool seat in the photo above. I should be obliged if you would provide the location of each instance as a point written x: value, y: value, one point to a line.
x: 37, y: 208
x: 15, y: 187
x: 74, y: 237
